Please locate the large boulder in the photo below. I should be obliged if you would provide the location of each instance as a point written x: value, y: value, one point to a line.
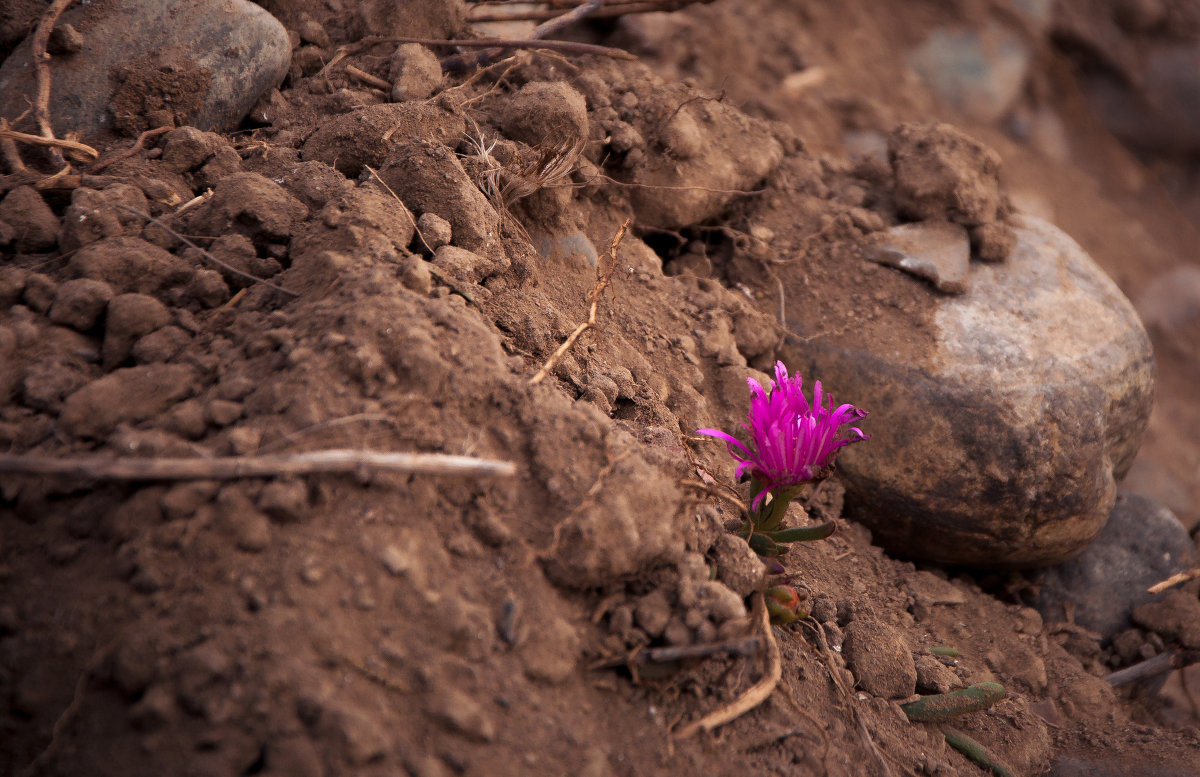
x: 1001, y: 425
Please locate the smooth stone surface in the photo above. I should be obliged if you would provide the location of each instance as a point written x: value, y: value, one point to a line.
x: 937, y: 251
x: 979, y: 72
x: 1001, y: 426
x: 1142, y: 543
x: 214, y: 58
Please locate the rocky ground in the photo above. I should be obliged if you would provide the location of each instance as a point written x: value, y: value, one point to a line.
x: 326, y: 238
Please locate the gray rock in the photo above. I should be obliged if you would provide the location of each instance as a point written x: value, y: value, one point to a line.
x: 938, y: 251
x: 978, y: 71
x: 1162, y: 112
x: 1000, y: 429
x: 1142, y: 543
x: 212, y: 58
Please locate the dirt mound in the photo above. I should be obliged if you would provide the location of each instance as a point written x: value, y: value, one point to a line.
x: 348, y: 272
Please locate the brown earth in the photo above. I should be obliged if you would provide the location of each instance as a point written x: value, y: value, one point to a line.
x: 411, y: 624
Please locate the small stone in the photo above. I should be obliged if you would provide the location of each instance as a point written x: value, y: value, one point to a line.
x: 208, y: 288
x: 184, y: 499
x: 545, y: 114
x: 980, y: 71
x: 247, y: 204
x: 222, y: 412
x: 415, y: 275
x: 186, y: 67
x: 738, y: 567
x: 944, y: 174
x: 415, y: 72
x: 462, y: 715
x: 718, y: 602
x: 311, y: 31
x: 40, y: 290
x: 653, y: 611
x: 34, y: 225
x: 129, y: 317
x: 937, y: 251
x: 433, y: 232
x: 1142, y: 542
x: 1175, y: 616
x: 187, y: 148
x: 81, y: 302
x: 249, y: 529
x: 365, y: 736
x: 879, y: 657
x: 993, y: 242
x: 130, y: 264
x: 551, y: 650
x: 285, y: 501
x: 127, y: 395
x: 933, y: 676
x: 187, y: 419
x: 12, y: 285
x: 161, y: 345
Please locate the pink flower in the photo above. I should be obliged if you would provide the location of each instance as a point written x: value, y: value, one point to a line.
x: 793, y: 441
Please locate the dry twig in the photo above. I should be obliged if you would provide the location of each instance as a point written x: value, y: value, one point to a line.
x: 41, y: 65
x: 541, y: 32
x: 81, y: 150
x: 138, y: 146
x: 609, y: 9
x: 367, y: 78
x: 1174, y: 580
x: 564, y: 46
x: 603, y: 278
x: 756, y: 694
x: 235, y: 467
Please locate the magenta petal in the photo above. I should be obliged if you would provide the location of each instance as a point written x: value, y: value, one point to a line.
x: 791, y: 439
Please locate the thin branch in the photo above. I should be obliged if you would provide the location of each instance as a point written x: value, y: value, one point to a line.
x: 1174, y: 580
x: 661, y: 655
x: 223, y: 265
x: 609, y: 10
x: 235, y: 467
x: 756, y: 694
x: 82, y: 149
x: 138, y: 146
x: 367, y: 78
x: 41, y: 65
x: 567, y: 46
x: 603, y: 278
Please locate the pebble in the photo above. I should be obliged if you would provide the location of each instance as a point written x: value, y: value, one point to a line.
x: 125, y: 396
x: 249, y: 529
x: 130, y: 264
x: 933, y: 676
x: 652, y: 612
x: 285, y: 500
x: 879, y: 657
x: 161, y: 345
x: 35, y: 227
x: 429, y: 178
x: 1142, y: 543
x: 980, y: 71
x: 738, y: 567
x: 129, y: 316
x: 1008, y: 420
x: 434, y: 232
x: 414, y: 71
x: 94, y: 215
x: 248, y: 204
x: 1175, y: 616
x: 546, y: 114
x: 462, y: 714
x: 212, y: 59
x: 938, y: 251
